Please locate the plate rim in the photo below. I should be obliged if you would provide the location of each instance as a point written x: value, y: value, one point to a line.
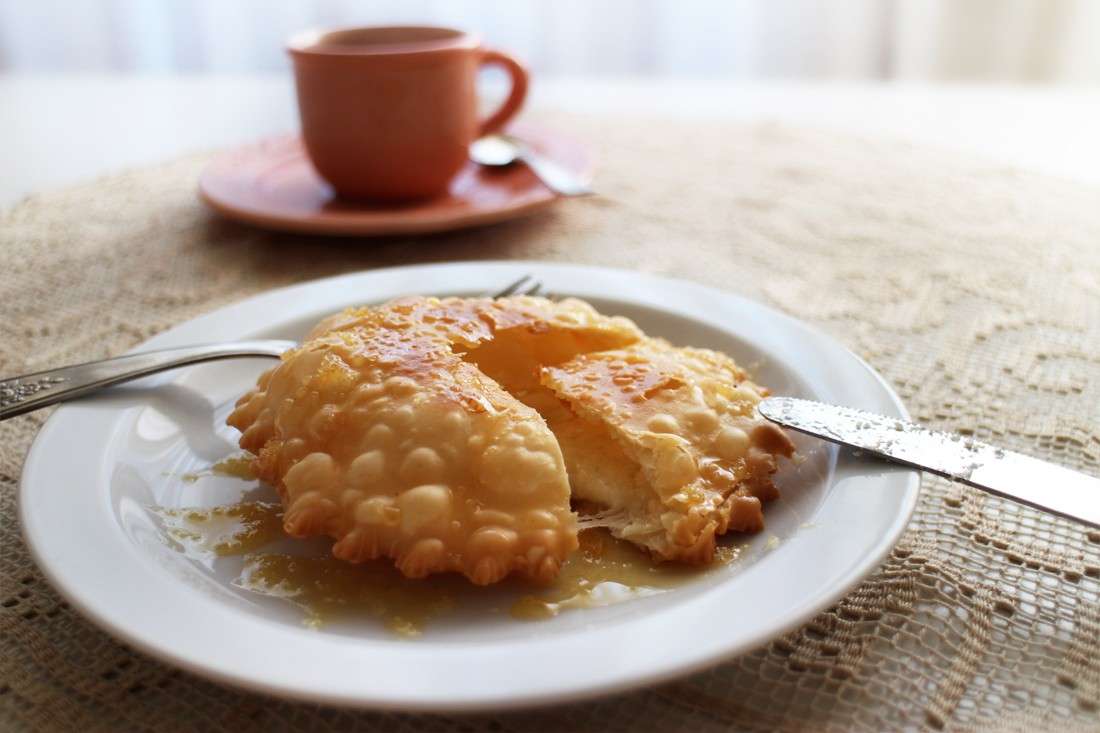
x: 627, y: 681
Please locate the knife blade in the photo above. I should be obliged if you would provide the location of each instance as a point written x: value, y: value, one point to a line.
x: 1012, y: 475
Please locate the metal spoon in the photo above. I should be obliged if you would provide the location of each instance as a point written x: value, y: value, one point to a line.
x: 502, y: 150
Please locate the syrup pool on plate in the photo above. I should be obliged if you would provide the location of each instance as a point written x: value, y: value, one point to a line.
x: 604, y: 571
x: 233, y: 466
x: 232, y: 529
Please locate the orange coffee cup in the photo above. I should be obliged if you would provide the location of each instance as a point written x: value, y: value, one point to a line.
x: 388, y: 113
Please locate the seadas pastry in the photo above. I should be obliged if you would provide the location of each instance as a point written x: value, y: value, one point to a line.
x: 666, y: 443
x: 382, y: 432
x: 451, y: 434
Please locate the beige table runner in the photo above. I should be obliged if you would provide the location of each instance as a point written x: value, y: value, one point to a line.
x: 973, y: 288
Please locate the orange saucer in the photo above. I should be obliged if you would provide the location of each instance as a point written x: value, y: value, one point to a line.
x: 271, y: 184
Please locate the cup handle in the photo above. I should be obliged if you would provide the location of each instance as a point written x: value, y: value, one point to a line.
x: 511, y: 106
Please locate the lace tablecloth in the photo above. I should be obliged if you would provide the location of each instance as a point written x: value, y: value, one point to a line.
x: 974, y: 289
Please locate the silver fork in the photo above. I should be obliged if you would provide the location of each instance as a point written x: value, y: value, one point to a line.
x: 40, y: 389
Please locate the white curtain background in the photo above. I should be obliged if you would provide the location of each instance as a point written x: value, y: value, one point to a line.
x: 932, y: 40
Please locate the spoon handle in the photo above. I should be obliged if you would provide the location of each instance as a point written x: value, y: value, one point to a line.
x: 557, y: 178
x: 33, y: 391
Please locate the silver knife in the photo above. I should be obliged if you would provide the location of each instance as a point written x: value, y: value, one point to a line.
x: 1002, y: 472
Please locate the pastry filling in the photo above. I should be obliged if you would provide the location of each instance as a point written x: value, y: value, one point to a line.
x: 667, y: 444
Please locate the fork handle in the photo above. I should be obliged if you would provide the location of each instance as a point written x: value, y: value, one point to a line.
x: 32, y: 391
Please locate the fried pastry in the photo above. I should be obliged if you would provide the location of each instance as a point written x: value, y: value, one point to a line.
x: 382, y: 432
x: 666, y: 443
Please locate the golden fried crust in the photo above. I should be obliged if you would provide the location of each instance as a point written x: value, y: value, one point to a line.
x: 382, y: 433
x: 668, y: 441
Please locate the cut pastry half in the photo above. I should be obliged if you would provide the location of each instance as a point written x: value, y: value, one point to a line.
x: 664, y: 443
x: 382, y: 432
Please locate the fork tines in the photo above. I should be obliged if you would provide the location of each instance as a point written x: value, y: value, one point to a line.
x: 526, y: 285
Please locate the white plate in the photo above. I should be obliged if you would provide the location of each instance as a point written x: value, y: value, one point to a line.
x: 98, y: 465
